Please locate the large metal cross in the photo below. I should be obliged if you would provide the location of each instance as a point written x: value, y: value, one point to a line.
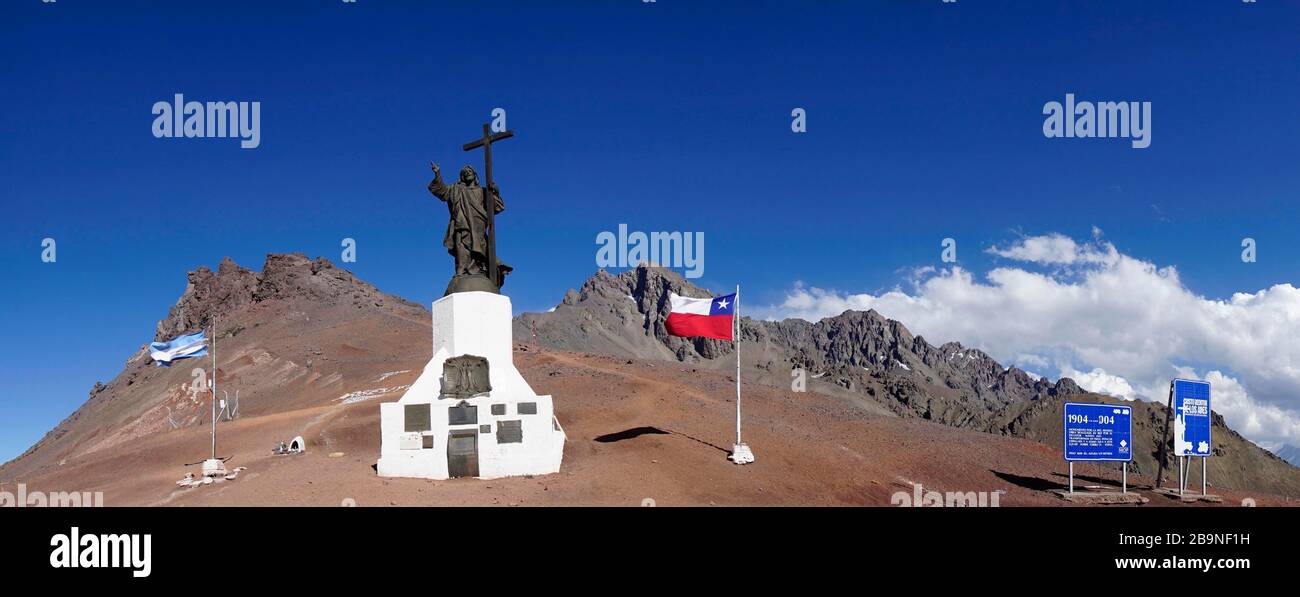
x: 486, y: 141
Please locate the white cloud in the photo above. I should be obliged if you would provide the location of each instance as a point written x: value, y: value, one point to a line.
x: 1100, y: 382
x: 1121, y: 318
x: 1058, y: 249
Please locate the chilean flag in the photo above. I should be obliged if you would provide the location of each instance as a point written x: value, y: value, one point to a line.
x: 705, y: 317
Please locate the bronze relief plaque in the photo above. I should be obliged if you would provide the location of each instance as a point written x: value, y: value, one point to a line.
x: 465, y: 376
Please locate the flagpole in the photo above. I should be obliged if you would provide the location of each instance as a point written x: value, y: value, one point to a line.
x: 214, y: 387
x: 740, y: 454
x: 213, y: 467
x: 735, y: 334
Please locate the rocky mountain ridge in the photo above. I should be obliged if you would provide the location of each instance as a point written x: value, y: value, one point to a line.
x: 860, y: 351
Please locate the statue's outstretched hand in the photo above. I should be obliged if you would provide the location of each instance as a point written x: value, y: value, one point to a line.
x: 434, y: 167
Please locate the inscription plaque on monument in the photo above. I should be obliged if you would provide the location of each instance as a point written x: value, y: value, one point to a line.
x: 462, y: 414
x: 417, y: 417
x: 509, y: 432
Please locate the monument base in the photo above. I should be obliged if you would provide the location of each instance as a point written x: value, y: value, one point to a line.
x: 508, y: 430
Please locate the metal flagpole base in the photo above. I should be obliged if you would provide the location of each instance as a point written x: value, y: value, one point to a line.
x: 741, y: 454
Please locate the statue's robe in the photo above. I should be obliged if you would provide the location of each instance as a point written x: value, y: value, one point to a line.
x: 468, y: 221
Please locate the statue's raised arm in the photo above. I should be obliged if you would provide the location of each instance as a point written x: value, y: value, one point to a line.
x: 437, y: 187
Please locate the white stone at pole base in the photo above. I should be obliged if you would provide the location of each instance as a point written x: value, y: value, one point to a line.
x: 214, y: 467
x: 741, y: 454
x: 479, y: 324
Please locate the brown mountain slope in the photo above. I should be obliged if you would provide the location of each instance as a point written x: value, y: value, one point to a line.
x: 299, y: 333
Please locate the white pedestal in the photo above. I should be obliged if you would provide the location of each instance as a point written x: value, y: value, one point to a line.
x: 741, y: 454
x: 472, y: 323
x: 214, y: 467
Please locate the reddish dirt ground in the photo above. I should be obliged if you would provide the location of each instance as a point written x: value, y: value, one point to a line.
x: 637, y: 431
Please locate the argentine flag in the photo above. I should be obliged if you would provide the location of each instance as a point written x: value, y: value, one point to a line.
x: 183, y: 347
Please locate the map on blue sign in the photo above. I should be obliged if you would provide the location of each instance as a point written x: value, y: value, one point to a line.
x: 1098, y: 432
x: 1191, y: 418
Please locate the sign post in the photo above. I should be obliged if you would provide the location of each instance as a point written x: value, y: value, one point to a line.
x: 1098, y: 433
x: 1164, y: 435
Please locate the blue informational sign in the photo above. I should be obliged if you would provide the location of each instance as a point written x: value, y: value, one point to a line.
x: 1191, y: 418
x: 1098, y: 432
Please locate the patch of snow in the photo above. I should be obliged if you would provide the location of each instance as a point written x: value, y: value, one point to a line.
x: 902, y: 364
x: 391, y: 373
x: 361, y: 395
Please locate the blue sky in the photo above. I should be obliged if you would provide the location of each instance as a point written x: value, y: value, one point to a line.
x: 924, y: 122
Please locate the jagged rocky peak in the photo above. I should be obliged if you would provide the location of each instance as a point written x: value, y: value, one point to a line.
x: 294, y: 275
x: 647, y: 286
x: 1066, y: 387
x: 864, y: 339
x: 284, y: 276
x: 208, y: 293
